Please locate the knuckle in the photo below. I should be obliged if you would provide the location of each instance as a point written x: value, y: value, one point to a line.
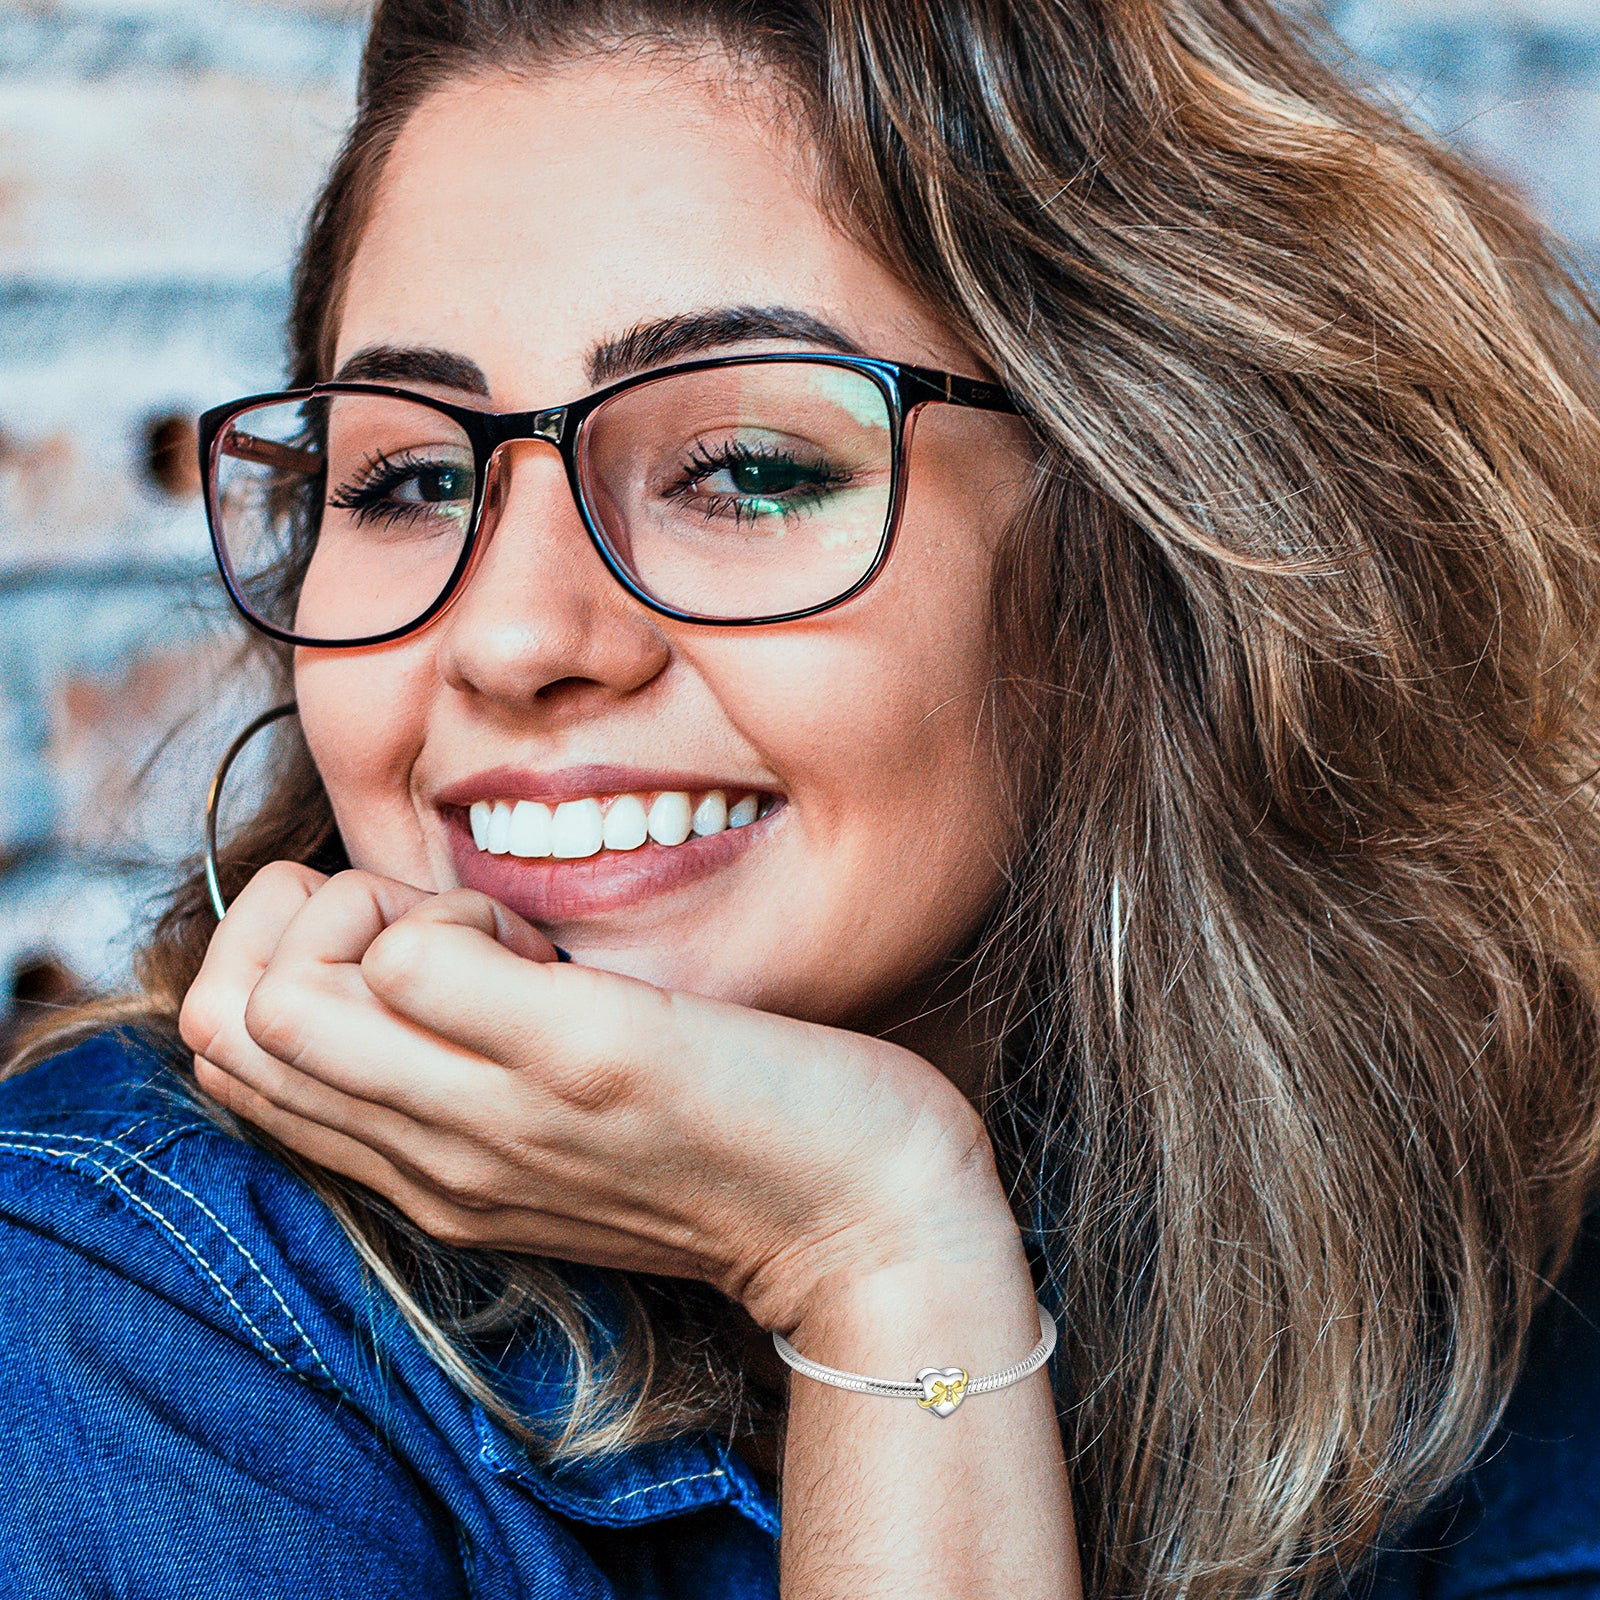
x: 398, y: 955
x: 594, y: 1085
x: 277, y: 884
x: 286, y: 875
x: 350, y: 880
x: 200, y: 1021
x: 445, y: 1222
x: 468, y: 1184
x: 273, y: 1015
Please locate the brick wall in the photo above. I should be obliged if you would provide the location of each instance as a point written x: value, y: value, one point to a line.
x: 156, y: 159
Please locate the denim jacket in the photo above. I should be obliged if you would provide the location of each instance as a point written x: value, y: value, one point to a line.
x: 201, y: 1394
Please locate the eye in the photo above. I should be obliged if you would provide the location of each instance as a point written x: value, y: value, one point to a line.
x: 768, y: 477
x: 430, y: 485
x: 404, y: 486
x: 747, y: 480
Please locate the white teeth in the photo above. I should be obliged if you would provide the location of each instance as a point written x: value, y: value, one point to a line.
x: 499, y: 829
x: 670, y: 817
x: 576, y: 829
x: 711, y: 815
x: 530, y: 829
x: 625, y: 824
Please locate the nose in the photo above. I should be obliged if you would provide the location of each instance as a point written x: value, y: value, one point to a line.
x: 540, y: 621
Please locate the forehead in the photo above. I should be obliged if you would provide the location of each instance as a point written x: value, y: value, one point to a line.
x: 522, y: 220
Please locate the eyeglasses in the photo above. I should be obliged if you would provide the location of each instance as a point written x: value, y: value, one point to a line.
x: 736, y: 490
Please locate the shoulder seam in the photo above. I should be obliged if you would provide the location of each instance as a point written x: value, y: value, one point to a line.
x: 112, y: 1174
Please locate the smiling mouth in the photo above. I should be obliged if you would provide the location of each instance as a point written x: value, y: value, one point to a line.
x: 575, y: 830
x: 564, y: 864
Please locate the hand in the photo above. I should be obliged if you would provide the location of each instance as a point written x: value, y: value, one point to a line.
x: 431, y: 1048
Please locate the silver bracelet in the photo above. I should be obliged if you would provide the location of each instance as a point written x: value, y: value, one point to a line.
x: 936, y: 1389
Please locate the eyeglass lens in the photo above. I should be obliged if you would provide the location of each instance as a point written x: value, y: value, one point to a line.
x: 728, y: 493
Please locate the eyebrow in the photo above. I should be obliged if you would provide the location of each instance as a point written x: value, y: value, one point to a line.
x: 646, y: 345
x: 387, y: 363
x: 654, y: 344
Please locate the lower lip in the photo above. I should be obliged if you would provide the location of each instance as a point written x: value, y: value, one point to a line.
x: 552, y: 892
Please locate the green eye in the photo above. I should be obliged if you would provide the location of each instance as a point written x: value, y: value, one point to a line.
x: 769, y: 478
x: 431, y: 485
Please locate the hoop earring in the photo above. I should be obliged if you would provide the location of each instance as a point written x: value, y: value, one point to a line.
x: 214, y: 798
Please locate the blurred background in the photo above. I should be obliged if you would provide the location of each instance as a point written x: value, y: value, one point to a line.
x: 157, y: 158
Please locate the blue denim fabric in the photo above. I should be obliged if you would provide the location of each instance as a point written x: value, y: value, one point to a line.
x: 1526, y: 1520
x: 201, y: 1395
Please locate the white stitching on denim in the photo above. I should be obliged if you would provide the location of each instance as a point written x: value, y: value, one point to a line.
x: 671, y: 1483
x: 75, y: 1156
x: 223, y: 1228
x: 84, y: 1138
x: 108, y: 1144
x: 166, y: 1137
x: 109, y: 1174
x: 134, y: 1159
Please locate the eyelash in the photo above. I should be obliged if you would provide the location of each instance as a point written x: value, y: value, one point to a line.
x: 363, y: 493
x: 703, y: 463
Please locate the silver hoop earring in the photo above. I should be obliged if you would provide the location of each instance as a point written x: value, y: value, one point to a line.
x: 214, y: 798
x: 214, y: 802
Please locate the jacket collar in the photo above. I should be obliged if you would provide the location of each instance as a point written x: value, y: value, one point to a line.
x: 645, y: 1483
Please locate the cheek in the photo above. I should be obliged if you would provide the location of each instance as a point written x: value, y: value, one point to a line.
x: 876, y: 721
x: 363, y: 717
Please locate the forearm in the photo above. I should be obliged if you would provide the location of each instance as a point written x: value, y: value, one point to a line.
x: 882, y: 1498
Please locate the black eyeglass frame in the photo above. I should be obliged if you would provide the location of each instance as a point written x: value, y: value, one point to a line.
x: 905, y: 389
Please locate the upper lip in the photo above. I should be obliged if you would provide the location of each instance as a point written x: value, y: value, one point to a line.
x: 580, y: 783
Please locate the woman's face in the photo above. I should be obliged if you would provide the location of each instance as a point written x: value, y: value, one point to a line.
x: 523, y: 227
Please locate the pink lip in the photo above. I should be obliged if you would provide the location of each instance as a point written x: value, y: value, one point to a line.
x: 551, y: 893
x: 580, y: 783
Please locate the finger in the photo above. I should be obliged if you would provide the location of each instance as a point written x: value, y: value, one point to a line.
x: 452, y: 977
x: 240, y: 949
x: 324, y: 1122
x: 414, y: 944
x: 325, y: 1027
x: 467, y: 908
x: 264, y: 1079
x: 456, y: 1219
x: 336, y: 925
x: 309, y: 1004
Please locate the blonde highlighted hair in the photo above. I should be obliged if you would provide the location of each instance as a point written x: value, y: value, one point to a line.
x: 1294, y: 992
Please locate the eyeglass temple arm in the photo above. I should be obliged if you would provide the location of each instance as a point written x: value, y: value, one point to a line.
x: 268, y: 452
x: 922, y: 384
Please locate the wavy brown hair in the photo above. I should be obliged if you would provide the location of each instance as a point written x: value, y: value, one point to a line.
x: 1294, y: 991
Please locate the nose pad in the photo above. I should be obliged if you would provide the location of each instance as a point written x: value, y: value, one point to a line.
x: 497, y: 477
x: 498, y: 473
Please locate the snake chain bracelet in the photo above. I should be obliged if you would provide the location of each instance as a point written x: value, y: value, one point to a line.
x: 936, y: 1389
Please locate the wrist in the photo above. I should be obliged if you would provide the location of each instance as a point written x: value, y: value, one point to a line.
x: 976, y: 1314
x: 900, y: 1228
x: 931, y: 1268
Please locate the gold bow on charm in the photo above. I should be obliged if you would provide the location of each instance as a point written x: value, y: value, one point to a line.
x: 943, y: 1389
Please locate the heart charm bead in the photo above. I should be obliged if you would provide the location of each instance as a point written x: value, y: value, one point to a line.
x: 943, y: 1389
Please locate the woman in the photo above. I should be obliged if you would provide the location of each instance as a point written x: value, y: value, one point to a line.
x: 1133, y: 845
